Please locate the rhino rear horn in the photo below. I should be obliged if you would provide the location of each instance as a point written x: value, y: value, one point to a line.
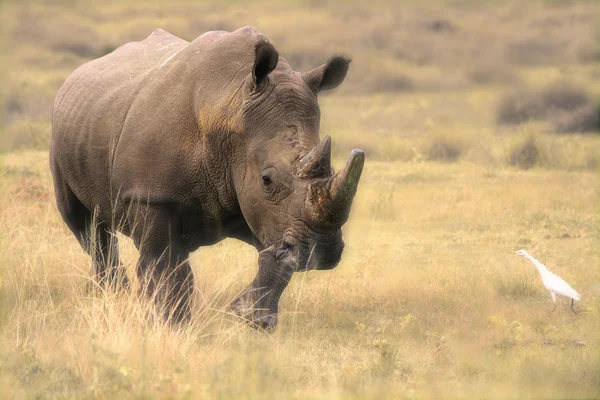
x: 317, y: 163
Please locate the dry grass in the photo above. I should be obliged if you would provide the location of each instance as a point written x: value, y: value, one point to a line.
x: 426, y: 302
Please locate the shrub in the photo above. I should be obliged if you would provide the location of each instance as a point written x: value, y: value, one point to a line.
x: 583, y: 119
x: 440, y: 25
x: 444, y: 148
x: 525, y: 154
x: 534, y: 51
x: 567, y: 108
x: 492, y: 73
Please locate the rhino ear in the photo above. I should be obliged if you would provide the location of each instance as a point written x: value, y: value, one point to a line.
x: 328, y: 76
x: 265, y: 61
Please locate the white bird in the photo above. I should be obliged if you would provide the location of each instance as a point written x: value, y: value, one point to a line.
x: 553, y: 283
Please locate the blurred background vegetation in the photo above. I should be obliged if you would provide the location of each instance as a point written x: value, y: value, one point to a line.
x: 480, y: 124
x: 493, y: 83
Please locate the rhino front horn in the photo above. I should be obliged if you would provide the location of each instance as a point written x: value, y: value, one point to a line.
x: 330, y: 199
x: 344, y: 184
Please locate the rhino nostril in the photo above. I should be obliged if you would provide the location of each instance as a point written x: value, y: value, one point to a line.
x: 282, y: 253
x: 287, y: 255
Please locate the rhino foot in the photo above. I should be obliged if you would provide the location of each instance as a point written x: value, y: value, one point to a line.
x: 259, y: 318
x: 258, y: 303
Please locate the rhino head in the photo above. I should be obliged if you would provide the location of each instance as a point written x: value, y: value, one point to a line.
x: 288, y: 193
x: 290, y: 196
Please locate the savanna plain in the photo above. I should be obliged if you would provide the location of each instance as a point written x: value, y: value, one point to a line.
x: 480, y: 125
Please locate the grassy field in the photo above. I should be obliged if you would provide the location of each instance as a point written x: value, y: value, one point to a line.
x: 427, y: 301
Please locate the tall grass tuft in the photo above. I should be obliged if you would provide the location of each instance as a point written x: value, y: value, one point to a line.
x: 445, y: 148
x: 525, y: 154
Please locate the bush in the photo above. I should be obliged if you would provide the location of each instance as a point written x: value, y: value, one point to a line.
x: 583, y: 119
x: 443, y: 148
x: 567, y: 108
x: 525, y: 154
x: 490, y: 73
x: 534, y: 51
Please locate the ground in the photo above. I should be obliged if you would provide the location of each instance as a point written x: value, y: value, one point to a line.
x: 428, y: 300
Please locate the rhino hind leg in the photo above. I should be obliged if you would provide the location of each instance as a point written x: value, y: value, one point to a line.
x: 96, y: 237
x: 107, y: 265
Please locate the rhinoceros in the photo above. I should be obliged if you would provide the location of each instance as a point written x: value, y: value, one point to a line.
x: 181, y: 144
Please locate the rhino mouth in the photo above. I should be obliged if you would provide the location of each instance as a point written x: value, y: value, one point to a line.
x: 324, y: 253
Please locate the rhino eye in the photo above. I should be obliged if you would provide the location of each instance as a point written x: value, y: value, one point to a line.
x: 266, y: 180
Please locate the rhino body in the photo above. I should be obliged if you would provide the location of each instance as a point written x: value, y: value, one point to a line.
x: 180, y: 144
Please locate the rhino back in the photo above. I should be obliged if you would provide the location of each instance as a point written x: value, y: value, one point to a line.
x: 174, y: 145
x: 138, y: 122
x: 92, y: 107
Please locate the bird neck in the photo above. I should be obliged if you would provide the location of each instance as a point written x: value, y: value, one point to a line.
x: 540, y: 267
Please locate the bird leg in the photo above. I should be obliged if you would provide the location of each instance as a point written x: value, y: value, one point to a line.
x: 573, y: 306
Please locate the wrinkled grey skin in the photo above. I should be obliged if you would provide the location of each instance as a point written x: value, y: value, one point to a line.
x: 179, y: 145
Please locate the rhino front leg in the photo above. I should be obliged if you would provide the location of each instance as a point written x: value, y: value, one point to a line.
x: 163, y: 268
x: 170, y: 283
x: 259, y: 302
